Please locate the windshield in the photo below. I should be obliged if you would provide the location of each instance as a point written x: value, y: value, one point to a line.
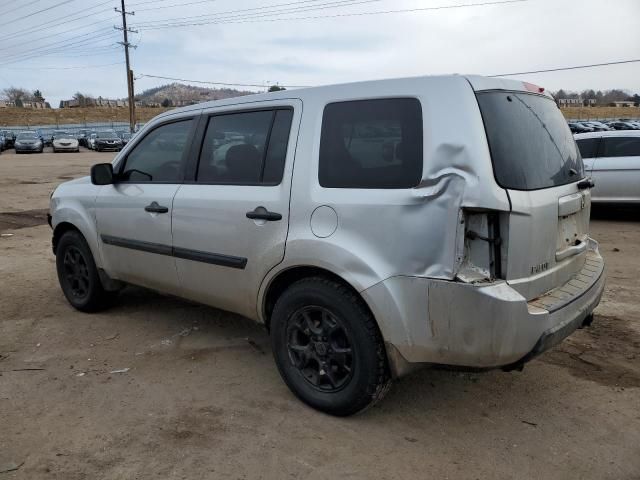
x: 61, y: 134
x: 531, y: 145
x: 27, y: 136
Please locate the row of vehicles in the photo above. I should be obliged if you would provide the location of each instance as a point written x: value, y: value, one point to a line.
x: 62, y: 140
x: 595, y: 126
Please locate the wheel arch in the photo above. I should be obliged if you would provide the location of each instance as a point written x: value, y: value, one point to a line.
x: 59, y: 230
x: 287, y: 277
x: 72, y: 216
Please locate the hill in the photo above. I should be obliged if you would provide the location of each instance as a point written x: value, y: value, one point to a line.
x: 180, y: 94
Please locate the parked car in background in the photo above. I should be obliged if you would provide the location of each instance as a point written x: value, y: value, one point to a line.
x: 613, y: 161
x: 125, y: 137
x: 91, y: 141
x: 29, y: 142
x: 9, y: 138
x: 597, y: 126
x: 618, y: 125
x: 107, y: 140
x: 64, y: 142
x: 82, y: 136
x: 2, y: 142
x: 398, y: 239
x: 577, y: 127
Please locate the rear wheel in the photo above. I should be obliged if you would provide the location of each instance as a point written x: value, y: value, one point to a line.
x: 328, y: 348
x: 78, y: 274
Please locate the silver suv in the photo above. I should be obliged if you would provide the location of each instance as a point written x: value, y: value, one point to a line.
x: 371, y: 227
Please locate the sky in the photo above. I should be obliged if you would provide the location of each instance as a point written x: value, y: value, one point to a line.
x: 64, y: 46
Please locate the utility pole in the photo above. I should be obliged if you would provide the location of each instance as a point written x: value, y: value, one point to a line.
x: 126, y: 45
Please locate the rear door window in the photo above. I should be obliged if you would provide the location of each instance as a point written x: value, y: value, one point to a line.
x: 620, y: 147
x: 245, y: 148
x: 531, y: 144
x: 588, y: 147
x: 371, y: 144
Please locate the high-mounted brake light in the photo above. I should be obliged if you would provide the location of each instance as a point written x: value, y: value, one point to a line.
x: 533, y: 88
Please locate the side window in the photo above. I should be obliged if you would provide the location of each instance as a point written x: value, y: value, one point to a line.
x: 245, y: 148
x: 371, y: 144
x: 158, y: 157
x: 621, y: 147
x: 588, y: 147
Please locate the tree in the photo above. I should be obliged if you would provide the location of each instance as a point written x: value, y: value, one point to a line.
x: 275, y: 88
x: 167, y: 103
x: 84, y: 99
x: 37, y: 96
x: 15, y: 94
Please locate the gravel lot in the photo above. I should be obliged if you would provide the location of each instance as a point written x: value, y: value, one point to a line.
x: 202, y: 397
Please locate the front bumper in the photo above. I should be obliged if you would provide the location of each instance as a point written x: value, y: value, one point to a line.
x: 28, y: 148
x: 65, y: 148
x: 104, y: 147
x: 479, y: 326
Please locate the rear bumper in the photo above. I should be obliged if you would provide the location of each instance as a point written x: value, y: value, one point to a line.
x: 479, y: 326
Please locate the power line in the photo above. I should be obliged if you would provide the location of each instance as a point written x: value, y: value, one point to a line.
x: 66, y: 32
x: 17, y: 53
x: 67, y: 68
x: 354, y: 14
x: 157, y: 7
x: 40, y: 53
x: 17, y: 57
x: 40, y: 11
x: 255, y: 10
x: 260, y: 85
x: 56, y: 21
x: 561, y: 69
x: 20, y: 7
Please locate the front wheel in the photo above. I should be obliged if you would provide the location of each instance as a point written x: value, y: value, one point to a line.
x: 328, y: 348
x: 78, y: 274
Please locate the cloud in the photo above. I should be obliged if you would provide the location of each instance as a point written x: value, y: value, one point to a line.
x: 484, y: 40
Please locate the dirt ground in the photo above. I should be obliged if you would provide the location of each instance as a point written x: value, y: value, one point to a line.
x: 202, y: 397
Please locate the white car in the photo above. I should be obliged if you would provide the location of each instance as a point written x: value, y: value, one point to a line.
x: 612, y: 159
x: 65, y: 142
x: 91, y: 141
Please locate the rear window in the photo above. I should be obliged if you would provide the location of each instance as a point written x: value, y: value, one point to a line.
x: 621, y: 147
x: 371, y: 144
x: 531, y: 145
x: 588, y: 147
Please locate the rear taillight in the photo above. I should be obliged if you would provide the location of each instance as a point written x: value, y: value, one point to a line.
x: 530, y: 87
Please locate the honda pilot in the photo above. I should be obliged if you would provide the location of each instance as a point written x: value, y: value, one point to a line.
x: 371, y: 227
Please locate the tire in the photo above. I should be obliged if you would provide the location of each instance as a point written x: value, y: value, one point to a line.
x: 78, y: 274
x: 353, y: 349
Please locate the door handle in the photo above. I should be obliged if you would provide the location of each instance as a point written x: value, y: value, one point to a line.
x: 155, y: 208
x: 261, y: 213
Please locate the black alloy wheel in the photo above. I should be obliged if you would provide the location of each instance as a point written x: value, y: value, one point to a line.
x: 76, y: 272
x: 320, y: 348
x: 328, y: 348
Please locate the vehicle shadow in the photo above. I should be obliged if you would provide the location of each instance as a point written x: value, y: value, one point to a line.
x: 619, y: 213
x: 422, y: 395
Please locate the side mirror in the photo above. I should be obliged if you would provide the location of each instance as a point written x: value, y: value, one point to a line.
x: 102, y: 174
